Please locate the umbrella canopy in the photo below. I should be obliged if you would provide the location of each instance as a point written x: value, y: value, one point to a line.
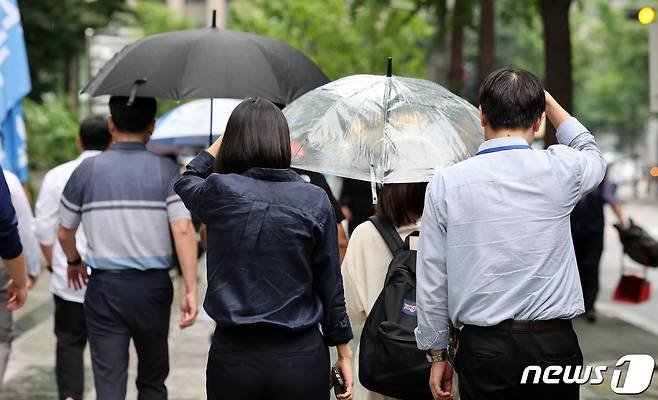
x: 189, y: 125
x: 382, y: 129
x: 207, y: 63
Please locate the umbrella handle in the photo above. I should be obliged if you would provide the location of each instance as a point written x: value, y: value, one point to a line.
x: 133, y: 91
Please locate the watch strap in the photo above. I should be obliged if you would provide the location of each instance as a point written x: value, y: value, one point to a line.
x: 432, y: 358
x: 77, y: 261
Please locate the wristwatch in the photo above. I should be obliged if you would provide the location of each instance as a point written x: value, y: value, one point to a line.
x: 432, y: 358
x: 77, y: 261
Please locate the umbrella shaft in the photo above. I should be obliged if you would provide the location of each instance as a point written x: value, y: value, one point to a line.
x: 210, y: 134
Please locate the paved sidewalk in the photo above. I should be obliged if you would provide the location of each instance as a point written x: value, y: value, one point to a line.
x: 30, y: 374
x: 604, y: 342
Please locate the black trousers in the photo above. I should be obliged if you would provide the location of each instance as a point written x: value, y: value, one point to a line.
x: 588, y: 256
x: 122, y: 306
x: 259, y: 363
x: 490, y: 363
x: 71, y: 333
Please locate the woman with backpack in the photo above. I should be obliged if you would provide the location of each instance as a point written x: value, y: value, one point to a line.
x: 366, y: 263
x: 273, y: 265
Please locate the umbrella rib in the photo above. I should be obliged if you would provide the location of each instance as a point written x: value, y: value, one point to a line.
x: 358, y: 109
x: 301, y: 146
x: 456, y: 139
x: 333, y: 106
x: 387, y: 98
x: 187, y: 62
x: 257, y: 45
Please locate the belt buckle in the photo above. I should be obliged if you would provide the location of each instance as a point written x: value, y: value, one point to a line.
x: 524, y: 326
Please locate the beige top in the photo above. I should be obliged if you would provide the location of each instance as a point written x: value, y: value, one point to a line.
x: 364, y: 270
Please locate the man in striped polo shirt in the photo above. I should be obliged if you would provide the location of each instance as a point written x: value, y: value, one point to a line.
x: 129, y: 212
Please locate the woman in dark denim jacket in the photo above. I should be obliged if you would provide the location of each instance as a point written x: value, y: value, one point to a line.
x: 273, y: 264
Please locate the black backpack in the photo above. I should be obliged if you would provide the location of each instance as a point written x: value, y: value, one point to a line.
x: 389, y: 361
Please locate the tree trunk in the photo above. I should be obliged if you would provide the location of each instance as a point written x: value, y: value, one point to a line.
x: 557, y: 56
x: 72, y: 82
x: 455, y: 72
x: 487, y: 37
x: 437, y: 60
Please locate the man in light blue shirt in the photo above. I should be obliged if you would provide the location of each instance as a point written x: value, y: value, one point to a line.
x: 495, y: 254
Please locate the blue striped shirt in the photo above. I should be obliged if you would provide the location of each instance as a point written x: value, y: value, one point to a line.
x: 125, y: 200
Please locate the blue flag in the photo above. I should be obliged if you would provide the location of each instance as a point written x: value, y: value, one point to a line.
x: 14, y: 85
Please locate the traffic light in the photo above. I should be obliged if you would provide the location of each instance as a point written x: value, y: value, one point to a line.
x: 644, y: 15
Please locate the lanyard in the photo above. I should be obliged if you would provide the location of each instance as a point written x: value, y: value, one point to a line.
x: 503, y: 148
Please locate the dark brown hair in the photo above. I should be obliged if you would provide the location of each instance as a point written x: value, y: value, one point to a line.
x: 134, y: 118
x: 401, y: 203
x: 256, y: 135
x: 94, y: 134
x: 512, y: 99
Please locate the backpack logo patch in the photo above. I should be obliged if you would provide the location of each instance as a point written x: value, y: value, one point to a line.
x: 409, y: 307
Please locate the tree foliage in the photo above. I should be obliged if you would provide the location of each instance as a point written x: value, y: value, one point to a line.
x: 519, y: 36
x: 55, y: 36
x: 52, y: 125
x: 153, y: 17
x: 341, y: 40
x: 52, y: 130
x: 346, y: 37
x: 610, y: 61
x: 612, y: 74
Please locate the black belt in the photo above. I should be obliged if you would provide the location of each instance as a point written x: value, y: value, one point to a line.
x: 529, y: 326
x: 100, y: 271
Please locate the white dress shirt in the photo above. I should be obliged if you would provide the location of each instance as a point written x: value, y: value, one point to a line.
x: 496, y: 239
x: 46, y: 225
x: 31, y: 249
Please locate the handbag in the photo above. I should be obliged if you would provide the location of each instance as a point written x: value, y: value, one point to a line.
x: 632, y: 288
x: 638, y: 244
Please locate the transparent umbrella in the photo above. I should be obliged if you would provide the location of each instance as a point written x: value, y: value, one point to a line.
x: 382, y: 129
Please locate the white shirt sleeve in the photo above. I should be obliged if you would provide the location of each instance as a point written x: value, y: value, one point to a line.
x: 46, y: 219
x: 586, y: 165
x: 31, y: 248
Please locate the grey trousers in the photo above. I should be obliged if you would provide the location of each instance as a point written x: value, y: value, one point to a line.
x: 6, y: 324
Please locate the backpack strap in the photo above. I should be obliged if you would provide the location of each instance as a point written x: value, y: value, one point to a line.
x: 411, y: 241
x: 388, y: 233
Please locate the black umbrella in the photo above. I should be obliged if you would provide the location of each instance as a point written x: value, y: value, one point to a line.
x: 207, y: 63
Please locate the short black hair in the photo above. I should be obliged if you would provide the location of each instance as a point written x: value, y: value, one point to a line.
x: 134, y: 118
x: 257, y: 135
x: 512, y: 99
x: 401, y: 203
x: 94, y: 134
